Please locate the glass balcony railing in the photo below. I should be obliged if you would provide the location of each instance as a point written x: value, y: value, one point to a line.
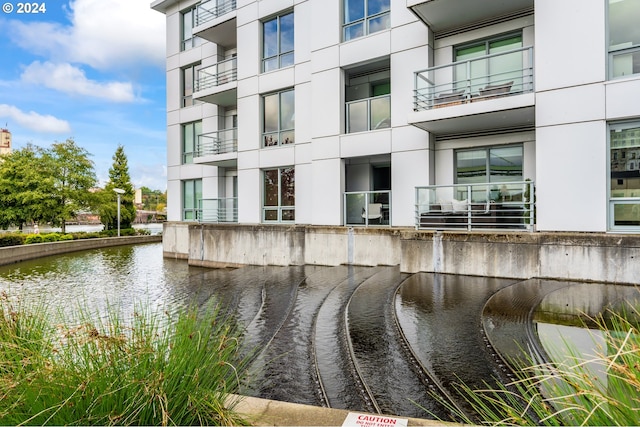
x: 487, y: 77
x: 369, y: 114
x: 218, y: 74
x: 218, y: 210
x: 624, y: 62
x: 220, y: 142
x: 367, y: 208
x: 494, y: 205
x: 211, y: 9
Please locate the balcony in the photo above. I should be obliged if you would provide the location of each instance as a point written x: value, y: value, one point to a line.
x: 218, y: 210
x: 367, y: 208
x: 369, y: 114
x: 216, y: 22
x: 445, y: 15
x: 482, y: 94
x: 483, y: 206
x: 218, y: 148
x: 217, y: 84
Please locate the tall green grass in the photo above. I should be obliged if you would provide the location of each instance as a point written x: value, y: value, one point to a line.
x: 568, y: 392
x: 154, y: 369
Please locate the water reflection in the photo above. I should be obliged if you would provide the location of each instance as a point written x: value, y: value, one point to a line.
x: 350, y: 337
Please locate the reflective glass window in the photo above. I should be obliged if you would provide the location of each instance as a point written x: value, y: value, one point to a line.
x: 278, y: 42
x: 362, y: 17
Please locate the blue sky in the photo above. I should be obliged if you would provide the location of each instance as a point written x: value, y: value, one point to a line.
x: 91, y: 70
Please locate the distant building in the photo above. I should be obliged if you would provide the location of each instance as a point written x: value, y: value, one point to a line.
x: 5, y: 141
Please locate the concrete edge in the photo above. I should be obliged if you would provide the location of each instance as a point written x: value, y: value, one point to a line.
x: 14, y: 254
x: 265, y: 412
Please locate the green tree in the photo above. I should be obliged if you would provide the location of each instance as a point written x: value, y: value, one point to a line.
x: 118, y: 178
x: 72, y: 176
x: 24, y: 189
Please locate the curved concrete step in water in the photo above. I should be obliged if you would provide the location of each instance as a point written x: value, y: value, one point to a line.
x: 287, y: 368
x: 441, y: 317
x: 398, y: 385
x: 507, y: 320
x: 336, y: 371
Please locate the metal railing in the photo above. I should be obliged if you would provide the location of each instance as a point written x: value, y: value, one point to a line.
x: 211, y: 9
x: 217, y: 74
x: 220, y: 142
x: 491, y: 76
x: 367, y: 208
x: 369, y: 114
x: 496, y: 205
x: 218, y: 210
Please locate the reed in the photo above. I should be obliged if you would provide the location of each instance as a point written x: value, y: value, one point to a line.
x: 568, y: 392
x: 153, y: 369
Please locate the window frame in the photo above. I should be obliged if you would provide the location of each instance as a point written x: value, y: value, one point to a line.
x: 196, y: 129
x: 187, y: 99
x: 487, y: 149
x: 279, y: 55
x: 194, y: 210
x: 279, y: 208
x: 632, y: 49
x: 280, y: 130
x: 192, y: 41
x: 633, y: 200
x: 365, y: 21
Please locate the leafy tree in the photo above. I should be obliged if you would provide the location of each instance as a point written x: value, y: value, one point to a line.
x: 24, y: 195
x: 44, y: 185
x: 72, y: 176
x: 118, y: 178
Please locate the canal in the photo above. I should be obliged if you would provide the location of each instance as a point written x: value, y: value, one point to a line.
x: 359, y: 338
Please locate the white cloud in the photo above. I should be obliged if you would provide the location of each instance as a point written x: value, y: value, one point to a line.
x: 34, y: 121
x: 106, y: 35
x: 72, y: 80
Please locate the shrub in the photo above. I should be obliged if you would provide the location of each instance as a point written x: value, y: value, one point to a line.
x: 11, y: 239
x: 33, y: 238
x: 568, y: 392
x: 156, y: 370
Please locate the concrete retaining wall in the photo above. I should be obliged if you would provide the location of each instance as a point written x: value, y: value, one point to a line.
x: 12, y: 254
x: 597, y: 257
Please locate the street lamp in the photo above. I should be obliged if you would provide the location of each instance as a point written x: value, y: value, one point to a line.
x: 119, y: 191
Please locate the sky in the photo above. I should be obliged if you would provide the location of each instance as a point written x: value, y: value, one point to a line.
x: 91, y: 70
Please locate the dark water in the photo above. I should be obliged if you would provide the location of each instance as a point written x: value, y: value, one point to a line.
x: 357, y: 338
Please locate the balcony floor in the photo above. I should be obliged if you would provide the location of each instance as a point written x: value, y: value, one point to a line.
x: 517, y: 111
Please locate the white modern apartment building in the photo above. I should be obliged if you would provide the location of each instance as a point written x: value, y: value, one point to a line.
x: 389, y: 112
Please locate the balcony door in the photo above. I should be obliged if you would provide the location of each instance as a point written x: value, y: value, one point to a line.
x: 487, y: 62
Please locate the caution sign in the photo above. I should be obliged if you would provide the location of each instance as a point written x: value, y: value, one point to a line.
x: 369, y: 420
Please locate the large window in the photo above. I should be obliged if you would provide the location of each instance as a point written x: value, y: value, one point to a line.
x: 188, y: 22
x: 278, y: 121
x: 624, y: 37
x: 277, y: 42
x: 191, y: 199
x: 279, y: 192
x: 362, y: 17
x: 190, y: 132
x: 489, y: 164
x: 475, y: 71
x: 624, y: 158
x: 189, y: 76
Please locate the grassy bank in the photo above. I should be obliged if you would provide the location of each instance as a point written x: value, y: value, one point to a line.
x: 569, y: 392
x: 153, y: 369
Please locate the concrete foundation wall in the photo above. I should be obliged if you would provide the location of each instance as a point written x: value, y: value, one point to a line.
x: 13, y: 254
x: 596, y: 257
